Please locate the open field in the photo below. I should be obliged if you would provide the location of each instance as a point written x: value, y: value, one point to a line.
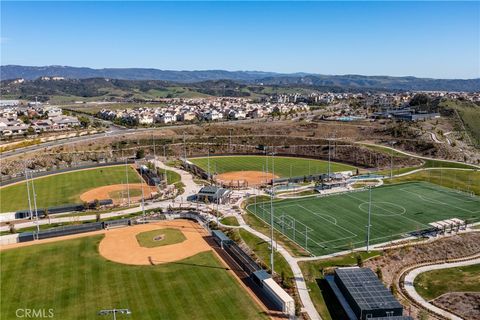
x: 63, y: 188
x: 324, y: 225
x: 76, y: 282
x: 284, y: 166
x: 455, y: 179
x: 433, y: 284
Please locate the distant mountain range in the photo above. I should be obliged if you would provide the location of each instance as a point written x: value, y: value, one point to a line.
x: 8, y: 72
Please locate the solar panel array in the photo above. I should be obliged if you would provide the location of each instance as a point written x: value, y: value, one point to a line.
x: 366, y: 289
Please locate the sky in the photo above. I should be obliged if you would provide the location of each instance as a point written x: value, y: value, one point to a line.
x: 437, y: 39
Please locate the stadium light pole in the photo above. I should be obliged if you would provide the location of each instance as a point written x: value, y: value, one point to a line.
x: 369, y: 217
x: 329, y: 159
x: 28, y: 195
x: 184, y: 148
x: 208, y: 162
x: 271, y: 208
x: 391, y: 159
x: 126, y: 177
x: 143, y: 198
x: 153, y: 141
x: 230, y: 146
x: 35, y: 203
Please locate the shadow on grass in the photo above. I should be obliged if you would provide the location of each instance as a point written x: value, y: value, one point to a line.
x: 331, y: 302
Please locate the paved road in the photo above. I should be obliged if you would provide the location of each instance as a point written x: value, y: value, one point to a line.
x: 410, y: 288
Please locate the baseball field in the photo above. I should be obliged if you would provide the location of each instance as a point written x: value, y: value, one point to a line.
x: 328, y: 224
x: 64, y: 188
x: 253, y: 167
x: 73, y: 279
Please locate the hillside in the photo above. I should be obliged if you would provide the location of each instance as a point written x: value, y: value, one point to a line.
x: 9, y: 72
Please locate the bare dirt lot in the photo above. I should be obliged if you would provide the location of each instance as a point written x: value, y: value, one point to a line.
x: 249, y: 178
x: 106, y: 192
x: 121, y: 245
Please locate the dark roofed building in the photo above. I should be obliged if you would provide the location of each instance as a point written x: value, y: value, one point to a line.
x: 213, y: 194
x: 363, y: 296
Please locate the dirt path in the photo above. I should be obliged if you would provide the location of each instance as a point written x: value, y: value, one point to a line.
x: 121, y: 245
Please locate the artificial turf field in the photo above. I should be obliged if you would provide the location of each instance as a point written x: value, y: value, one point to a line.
x: 329, y: 224
x: 64, y: 188
x: 76, y: 282
x: 284, y: 166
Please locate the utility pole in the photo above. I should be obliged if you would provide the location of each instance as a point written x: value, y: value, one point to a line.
x: 369, y: 217
x: 271, y: 209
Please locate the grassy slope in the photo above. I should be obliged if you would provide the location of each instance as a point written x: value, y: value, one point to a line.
x: 311, y: 270
x: 73, y: 279
x: 455, y: 179
x: 63, y: 188
x: 433, y: 284
x: 470, y: 115
x: 230, y: 221
x: 283, y: 165
x: 171, y: 236
x: 262, y: 250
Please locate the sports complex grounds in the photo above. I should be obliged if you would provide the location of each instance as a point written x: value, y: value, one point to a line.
x: 328, y: 224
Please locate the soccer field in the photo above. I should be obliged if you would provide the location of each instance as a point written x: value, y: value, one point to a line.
x: 284, y: 166
x: 72, y: 278
x: 63, y: 188
x: 324, y: 225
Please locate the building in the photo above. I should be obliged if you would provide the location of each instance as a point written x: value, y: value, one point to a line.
x: 363, y: 296
x: 9, y: 103
x: 213, y: 194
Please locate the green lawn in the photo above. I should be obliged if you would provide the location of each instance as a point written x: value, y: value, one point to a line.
x: 173, y: 177
x: 433, y: 284
x: 284, y: 166
x: 64, y: 188
x: 230, y: 221
x: 455, y: 179
x: 168, y: 236
x: 324, y: 225
x: 76, y: 282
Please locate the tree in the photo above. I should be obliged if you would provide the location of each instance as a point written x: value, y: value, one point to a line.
x: 96, y: 204
x: 140, y: 154
x: 84, y: 121
x: 97, y: 217
x: 379, y: 273
x: 12, y: 228
x: 359, y: 260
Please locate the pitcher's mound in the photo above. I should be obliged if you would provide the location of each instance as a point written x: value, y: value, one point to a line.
x: 245, y: 178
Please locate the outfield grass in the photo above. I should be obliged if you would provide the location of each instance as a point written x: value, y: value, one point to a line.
x: 324, y: 225
x: 170, y: 236
x: 432, y: 284
x: 64, y: 188
x: 455, y: 179
x: 74, y: 280
x: 284, y: 166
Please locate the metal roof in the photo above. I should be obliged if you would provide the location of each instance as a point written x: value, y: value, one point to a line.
x: 366, y: 289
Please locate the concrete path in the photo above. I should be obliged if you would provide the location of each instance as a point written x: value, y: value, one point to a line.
x: 303, y: 292
x: 410, y: 278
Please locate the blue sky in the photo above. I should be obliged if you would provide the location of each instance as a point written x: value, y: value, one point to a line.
x: 425, y: 39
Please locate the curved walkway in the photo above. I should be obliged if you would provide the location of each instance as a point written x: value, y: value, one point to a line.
x: 410, y: 288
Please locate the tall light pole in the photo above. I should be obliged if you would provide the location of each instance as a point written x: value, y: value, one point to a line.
x: 35, y: 203
x: 184, y: 147
x: 126, y: 177
x: 143, y: 198
x: 28, y: 194
x: 230, y: 143
x: 391, y: 159
x: 369, y: 217
x: 271, y: 209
